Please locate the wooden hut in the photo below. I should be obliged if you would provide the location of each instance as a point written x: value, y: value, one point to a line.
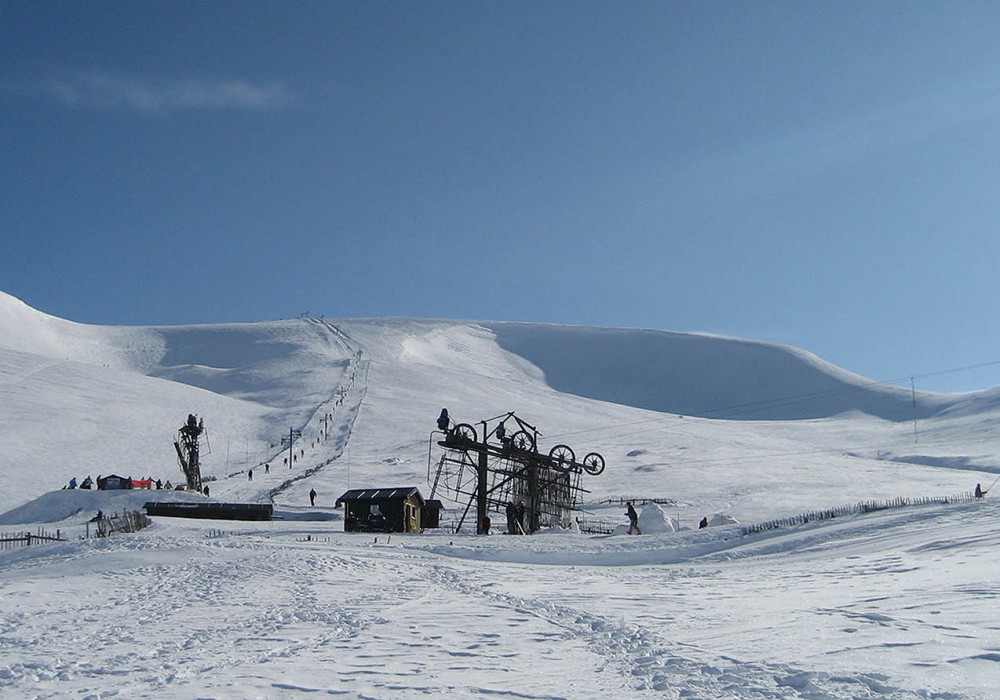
x: 382, y: 510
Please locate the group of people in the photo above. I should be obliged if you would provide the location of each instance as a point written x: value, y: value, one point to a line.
x: 87, y: 483
x: 128, y: 483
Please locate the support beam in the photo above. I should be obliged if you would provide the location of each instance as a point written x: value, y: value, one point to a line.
x: 481, y: 493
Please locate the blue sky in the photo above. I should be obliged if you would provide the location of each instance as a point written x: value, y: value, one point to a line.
x: 823, y: 174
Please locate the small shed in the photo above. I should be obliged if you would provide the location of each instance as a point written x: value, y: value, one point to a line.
x: 430, y: 516
x: 112, y: 482
x: 382, y: 510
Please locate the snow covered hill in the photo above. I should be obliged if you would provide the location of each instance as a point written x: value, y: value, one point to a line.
x: 81, y: 400
x: 888, y: 605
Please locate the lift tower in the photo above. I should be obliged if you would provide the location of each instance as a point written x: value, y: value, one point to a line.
x: 186, y: 445
x: 502, y: 471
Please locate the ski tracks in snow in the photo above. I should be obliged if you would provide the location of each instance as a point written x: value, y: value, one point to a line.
x: 250, y: 615
x: 175, y: 629
x: 654, y: 666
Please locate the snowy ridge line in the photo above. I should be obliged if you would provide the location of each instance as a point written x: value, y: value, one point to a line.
x: 855, y: 509
x: 649, y: 663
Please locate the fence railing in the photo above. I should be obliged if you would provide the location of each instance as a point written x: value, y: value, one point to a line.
x: 593, y: 526
x: 853, y: 509
x: 26, y: 539
x: 126, y: 521
x: 636, y: 501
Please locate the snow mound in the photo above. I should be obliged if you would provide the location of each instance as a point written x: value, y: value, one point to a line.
x: 722, y: 519
x: 653, y: 519
x: 56, y: 506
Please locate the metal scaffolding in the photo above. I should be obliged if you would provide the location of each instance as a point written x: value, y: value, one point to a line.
x: 505, y: 472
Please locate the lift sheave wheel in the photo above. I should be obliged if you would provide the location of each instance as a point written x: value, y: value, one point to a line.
x: 562, y: 457
x: 463, y: 432
x: 522, y: 440
x: 593, y: 463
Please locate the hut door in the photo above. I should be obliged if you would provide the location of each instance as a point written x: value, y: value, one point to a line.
x: 410, y: 515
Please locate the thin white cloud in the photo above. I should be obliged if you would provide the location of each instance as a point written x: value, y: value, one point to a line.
x: 817, y: 147
x: 102, y: 90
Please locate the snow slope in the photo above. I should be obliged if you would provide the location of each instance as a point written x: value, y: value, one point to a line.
x: 703, y: 375
x: 894, y: 604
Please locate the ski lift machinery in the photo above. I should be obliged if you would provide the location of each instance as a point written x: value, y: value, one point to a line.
x: 188, y: 451
x: 505, y: 467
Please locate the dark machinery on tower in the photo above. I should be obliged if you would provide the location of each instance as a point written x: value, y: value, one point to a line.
x: 186, y: 445
x: 506, y: 471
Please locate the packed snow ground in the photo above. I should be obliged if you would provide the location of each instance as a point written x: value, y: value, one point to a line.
x: 895, y: 604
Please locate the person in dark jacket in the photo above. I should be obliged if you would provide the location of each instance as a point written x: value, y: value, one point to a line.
x: 312, y: 497
x: 511, y: 518
x: 633, y: 520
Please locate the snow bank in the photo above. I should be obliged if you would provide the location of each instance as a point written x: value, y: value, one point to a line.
x: 55, y: 506
x: 653, y: 519
x: 722, y: 519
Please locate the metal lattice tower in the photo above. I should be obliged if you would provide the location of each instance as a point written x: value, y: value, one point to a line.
x: 186, y: 445
x: 505, y: 470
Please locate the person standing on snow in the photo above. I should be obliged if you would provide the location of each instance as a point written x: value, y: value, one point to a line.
x: 633, y: 520
x: 511, y: 518
x: 312, y: 497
